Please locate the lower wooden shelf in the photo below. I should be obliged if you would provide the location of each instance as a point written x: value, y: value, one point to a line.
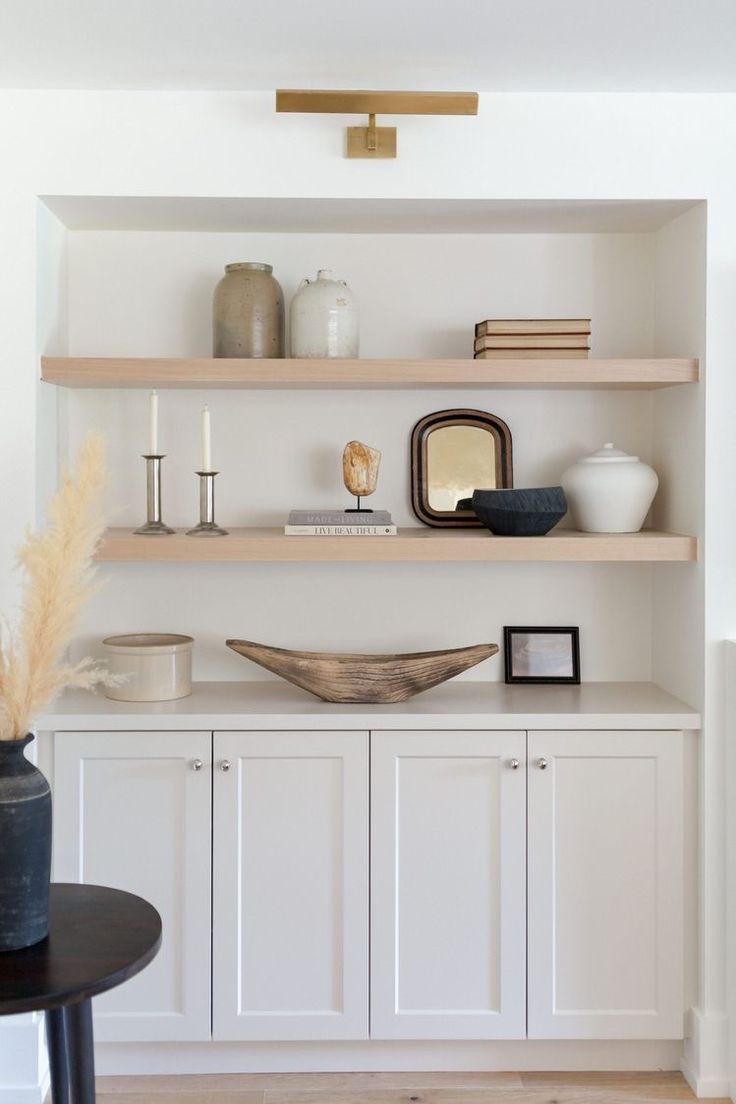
x: 412, y: 545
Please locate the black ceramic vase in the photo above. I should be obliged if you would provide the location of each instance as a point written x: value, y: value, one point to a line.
x: 25, y: 848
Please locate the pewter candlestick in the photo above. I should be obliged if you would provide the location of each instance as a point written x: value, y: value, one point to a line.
x: 207, y: 527
x: 154, y: 526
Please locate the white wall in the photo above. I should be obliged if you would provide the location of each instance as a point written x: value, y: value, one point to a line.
x: 627, y: 146
x: 150, y: 293
x: 730, y: 666
x: 138, y: 294
x: 52, y: 332
x: 678, y: 452
x: 22, y: 1060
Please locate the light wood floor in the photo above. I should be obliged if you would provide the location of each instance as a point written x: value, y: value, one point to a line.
x: 399, y: 1088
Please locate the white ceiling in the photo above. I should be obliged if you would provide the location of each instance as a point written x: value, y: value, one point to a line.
x: 474, y: 45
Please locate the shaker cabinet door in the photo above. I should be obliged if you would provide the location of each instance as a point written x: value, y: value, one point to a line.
x: 605, y: 885
x: 132, y: 810
x: 290, y: 885
x: 448, y: 885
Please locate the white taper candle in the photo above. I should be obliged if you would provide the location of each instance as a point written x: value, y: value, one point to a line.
x: 153, y: 424
x: 206, y: 441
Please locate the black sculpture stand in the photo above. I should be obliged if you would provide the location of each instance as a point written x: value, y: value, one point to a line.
x: 359, y: 509
x: 98, y: 938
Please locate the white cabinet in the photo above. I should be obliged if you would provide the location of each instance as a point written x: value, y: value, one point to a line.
x: 448, y: 885
x: 131, y: 811
x: 605, y: 885
x: 520, y: 883
x: 290, y: 932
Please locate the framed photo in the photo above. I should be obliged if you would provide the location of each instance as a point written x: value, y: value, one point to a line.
x: 541, y: 654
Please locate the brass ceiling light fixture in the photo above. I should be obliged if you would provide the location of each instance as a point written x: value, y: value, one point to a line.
x: 372, y: 140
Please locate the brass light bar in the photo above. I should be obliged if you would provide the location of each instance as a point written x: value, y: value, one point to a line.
x: 383, y: 103
x: 373, y: 141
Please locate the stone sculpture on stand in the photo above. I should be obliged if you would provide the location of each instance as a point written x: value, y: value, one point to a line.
x: 360, y: 464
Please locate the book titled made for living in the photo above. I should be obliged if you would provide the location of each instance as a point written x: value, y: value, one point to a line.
x: 339, y: 517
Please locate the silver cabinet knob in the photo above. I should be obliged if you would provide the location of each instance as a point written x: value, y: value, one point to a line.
x: 225, y: 765
x: 197, y: 764
x: 514, y: 764
x: 542, y: 763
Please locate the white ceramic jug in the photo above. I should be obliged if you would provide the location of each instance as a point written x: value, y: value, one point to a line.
x: 324, y: 318
x: 609, y: 491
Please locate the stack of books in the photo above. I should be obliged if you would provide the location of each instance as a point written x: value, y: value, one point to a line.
x: 532, y: 338
x: 340, y: 523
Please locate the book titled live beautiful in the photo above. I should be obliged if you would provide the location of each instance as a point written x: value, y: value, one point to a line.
x: 340, y: 530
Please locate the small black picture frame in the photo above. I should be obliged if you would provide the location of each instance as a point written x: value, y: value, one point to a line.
x: 541, y: 654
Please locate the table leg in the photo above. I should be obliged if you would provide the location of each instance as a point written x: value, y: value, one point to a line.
x: 80, y: 1044
x: 58, y: 1064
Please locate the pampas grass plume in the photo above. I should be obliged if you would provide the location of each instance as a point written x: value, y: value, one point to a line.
x: 57, y: 561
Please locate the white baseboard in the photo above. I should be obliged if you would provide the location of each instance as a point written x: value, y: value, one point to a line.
x: 119, y: 1059
x: 706, y: 1088
x: 705, y: 1055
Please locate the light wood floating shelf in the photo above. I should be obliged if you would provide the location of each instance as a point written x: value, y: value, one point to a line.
x: 413, y: 545
x: 161, y: 372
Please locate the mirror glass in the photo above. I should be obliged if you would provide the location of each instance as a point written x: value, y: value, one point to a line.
x: 459, y: 459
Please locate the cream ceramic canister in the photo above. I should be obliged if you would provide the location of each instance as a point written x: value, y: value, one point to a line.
x: 610, y: 491
x: 154, y: 666
x: 324, y: 318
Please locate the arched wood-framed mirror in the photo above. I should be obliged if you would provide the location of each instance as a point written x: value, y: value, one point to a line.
x: 453, y: 453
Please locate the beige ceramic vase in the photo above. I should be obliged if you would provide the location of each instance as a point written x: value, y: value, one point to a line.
x: 248, y: 312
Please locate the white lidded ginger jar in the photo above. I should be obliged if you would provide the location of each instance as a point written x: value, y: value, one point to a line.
x: 324, y: 318
x: 609, y: 491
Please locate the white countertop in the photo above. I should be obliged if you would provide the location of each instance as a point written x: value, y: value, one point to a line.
x: 455, y: 705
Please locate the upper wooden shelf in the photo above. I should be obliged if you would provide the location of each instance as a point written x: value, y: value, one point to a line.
x: 161, y: 372
x: 412, y: 545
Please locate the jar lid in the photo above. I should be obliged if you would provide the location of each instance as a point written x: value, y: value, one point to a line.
x: 149, y: 641
x: 609, y: 454
x: 259, y: 266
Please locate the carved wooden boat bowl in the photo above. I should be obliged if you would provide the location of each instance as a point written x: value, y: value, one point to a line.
x: 374, y: 679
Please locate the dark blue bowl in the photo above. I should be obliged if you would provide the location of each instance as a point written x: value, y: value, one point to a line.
x: 527, y: 512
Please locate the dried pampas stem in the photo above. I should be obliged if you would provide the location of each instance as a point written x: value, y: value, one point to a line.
x: 57, y: 562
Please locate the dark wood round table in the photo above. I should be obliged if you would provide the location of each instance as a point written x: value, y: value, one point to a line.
x: 98, y: 938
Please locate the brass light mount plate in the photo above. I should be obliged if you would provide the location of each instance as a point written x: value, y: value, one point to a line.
x: 373, y: 141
